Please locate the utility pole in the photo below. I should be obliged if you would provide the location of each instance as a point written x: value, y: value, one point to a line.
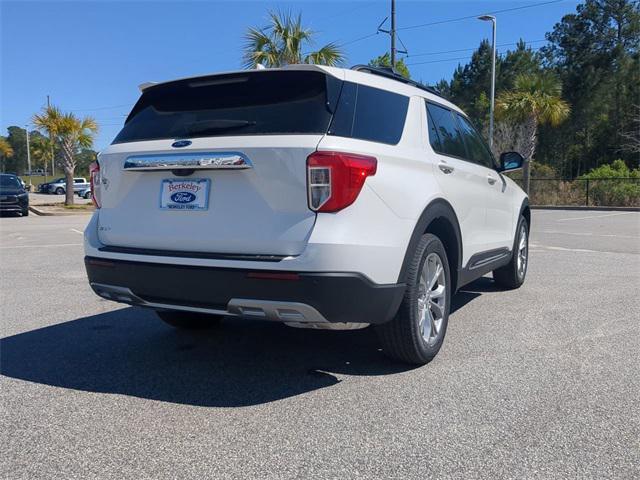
x: 26, y: 129
x: 53, y: 160
x: 393, y: 33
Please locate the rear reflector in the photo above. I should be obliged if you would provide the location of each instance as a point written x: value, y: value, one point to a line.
x: 335, y: 179
x: 94, y: 179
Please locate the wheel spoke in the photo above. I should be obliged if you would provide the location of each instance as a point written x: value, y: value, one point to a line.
x: 427, y: 324
x: 437, y: 293
x: 434, y: 328
x: 436, y: 275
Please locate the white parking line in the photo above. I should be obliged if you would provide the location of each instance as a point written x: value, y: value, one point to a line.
x: 42, y: 246
x: 595, y: 216
x: 589, y: 234
x: 77, y: 231
x: 536, y: 247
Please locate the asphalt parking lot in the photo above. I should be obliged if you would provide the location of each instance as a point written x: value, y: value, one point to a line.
x: 541, y: 382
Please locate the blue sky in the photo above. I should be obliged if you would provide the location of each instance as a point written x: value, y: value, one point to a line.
x: 91, y: 56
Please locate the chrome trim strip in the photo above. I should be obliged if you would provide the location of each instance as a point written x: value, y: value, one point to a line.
x: 293, y: 312
x: 190, y: 161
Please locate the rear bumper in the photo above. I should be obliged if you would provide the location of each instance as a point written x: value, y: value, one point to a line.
x: 294, y: 297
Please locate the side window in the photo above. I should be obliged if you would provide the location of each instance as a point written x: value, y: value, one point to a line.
x: 434, y: 139
x: 446, y: 127
x: 369, y: 113
x: 478, y: 151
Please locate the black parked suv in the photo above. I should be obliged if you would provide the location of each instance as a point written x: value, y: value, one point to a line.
x: 13, y: 196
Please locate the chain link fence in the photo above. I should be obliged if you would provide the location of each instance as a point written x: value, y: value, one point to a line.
x: 601, y: 192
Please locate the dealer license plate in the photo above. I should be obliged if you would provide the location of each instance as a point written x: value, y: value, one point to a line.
x: 183, y: 194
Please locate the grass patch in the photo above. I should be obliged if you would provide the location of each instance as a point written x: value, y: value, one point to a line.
x: 85, y: 206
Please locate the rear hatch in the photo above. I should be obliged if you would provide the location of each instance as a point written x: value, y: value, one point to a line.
x: 217, y: 164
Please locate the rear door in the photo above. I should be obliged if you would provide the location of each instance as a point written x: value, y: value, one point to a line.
x: 217, y: 164
x: 464, y: 183
x: 499, y: 209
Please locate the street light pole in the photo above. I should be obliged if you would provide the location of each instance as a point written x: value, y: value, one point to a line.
x: 53, y: 159
x: 26, y: 129
x: 492, y: 19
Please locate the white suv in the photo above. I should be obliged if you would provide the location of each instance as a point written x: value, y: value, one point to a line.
x: 315, y: 196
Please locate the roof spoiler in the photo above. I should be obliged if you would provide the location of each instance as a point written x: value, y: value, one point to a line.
x: 145, y: 85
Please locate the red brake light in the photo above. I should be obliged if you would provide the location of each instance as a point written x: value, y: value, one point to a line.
x: 94, y: 180
x: 335, y: 179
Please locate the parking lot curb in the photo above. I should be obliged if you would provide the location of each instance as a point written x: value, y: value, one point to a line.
x: 595, y: 209
x: 44, y: 213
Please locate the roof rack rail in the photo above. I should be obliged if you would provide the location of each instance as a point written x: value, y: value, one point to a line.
x: 389, y: 72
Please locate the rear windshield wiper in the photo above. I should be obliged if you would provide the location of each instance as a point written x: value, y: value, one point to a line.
x: 216, y: 125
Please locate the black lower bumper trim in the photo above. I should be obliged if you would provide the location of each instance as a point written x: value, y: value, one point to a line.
x: 339, y: 297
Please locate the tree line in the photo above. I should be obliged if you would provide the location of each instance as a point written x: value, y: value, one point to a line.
x: 570, y: 107
x: 591, y: 63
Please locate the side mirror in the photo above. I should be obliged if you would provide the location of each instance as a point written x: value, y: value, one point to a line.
x: 511, y: 161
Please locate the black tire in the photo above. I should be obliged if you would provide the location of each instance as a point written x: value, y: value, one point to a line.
x: 188, y: 320
x: 25, y: 212
x: 59, y: 191
x: 401, y: 338
x: 511, y: 276
x: 87, y: 195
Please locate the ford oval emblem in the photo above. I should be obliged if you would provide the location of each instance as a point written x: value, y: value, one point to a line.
x: 183, y: 197
x: 181, y: 143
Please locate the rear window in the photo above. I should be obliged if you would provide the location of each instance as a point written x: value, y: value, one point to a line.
x: 252, y: 103
x: 369, y: 113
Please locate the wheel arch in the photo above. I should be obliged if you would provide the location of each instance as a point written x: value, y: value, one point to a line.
x: 440, y: 219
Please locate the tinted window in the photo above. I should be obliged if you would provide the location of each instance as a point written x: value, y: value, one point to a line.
x: 477, y: 150
x: 252, y: 103
x: 449, y: 138
x: 434, y: 138
x: 9, y: 182
x: 369, y: 113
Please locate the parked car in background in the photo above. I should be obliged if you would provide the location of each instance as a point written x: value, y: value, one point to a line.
x: 86, y: 193
x: 44, y: 187
x: 59, y: 186
x: 13, y: 196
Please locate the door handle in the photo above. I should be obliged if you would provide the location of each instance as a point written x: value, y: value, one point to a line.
x: 445, y: 168
x: 491, y: 180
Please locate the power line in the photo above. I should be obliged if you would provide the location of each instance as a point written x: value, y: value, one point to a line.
x: 503, y: 54
x: 476, y: 15
x: 358, y: 39
x: 471, y: 49
x: 101, y: 108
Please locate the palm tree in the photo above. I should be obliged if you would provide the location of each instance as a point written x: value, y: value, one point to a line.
x: 535, y: 100
x: 71, y: 134
x: 281, y: 43
x: 5, y: 150
x: 42, y: 149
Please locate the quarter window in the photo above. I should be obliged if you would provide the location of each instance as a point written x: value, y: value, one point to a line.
x: 369, y: 113
x: 448, y: 141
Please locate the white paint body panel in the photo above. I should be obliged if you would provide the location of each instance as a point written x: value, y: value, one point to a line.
x: 264, y: 210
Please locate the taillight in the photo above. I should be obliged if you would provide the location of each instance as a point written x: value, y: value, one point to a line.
x: 335, y: 179
x: 94, y: 179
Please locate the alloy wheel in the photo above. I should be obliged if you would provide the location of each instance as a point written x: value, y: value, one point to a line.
x: 432, y: 298
x: 523, y: 251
